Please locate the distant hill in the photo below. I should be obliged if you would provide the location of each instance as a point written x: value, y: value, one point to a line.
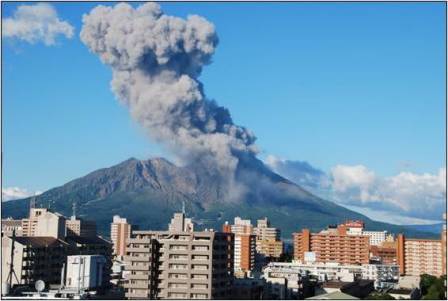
x: 148, y: 192
x: 434, y: 228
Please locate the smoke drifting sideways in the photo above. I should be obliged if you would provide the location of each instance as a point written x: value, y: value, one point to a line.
x: 156, y: 60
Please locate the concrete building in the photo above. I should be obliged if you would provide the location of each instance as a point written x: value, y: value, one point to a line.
x: 120, y: 232
x: 287, y: 281
x: 381, y: 274
x: 180, y: 223
x: 80, y: 227
x: 443, y: 239
x: 78, y: 245
x: 9, y: 225
x: 179, y: 264
x: 33, y: 258
x: 385, y: 253
x: 376, y: 238
x: 241, y: 226
x: 244, y: 256
x: 268, y: 241
x: 419, y: 256
x: 332, y: 245
x: 85, y: 272
x: 43, y: 222
x: 245, y: 246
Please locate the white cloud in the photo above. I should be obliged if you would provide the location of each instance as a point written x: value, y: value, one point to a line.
x: 13, y: 193
x: 417, y: 195
x: 407, y: 197
x: 391, y: 217
x: 36, y: 23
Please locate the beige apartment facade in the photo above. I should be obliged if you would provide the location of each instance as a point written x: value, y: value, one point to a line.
x: 43, y: 222
x: 80, y: 227
x: 419, y: 256
x: 178, y: 264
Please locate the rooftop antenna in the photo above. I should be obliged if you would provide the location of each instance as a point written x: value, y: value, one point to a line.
x: 74, y: 209
x: 183, y: 207
x: 11, y: 263
x: 33, y: 202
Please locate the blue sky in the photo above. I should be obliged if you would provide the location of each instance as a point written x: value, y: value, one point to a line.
x: 327, y: 83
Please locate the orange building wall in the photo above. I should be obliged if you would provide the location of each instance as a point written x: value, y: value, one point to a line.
x: 334, y: 247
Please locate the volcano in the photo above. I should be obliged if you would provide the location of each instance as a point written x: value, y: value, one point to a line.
x: 148, y: 192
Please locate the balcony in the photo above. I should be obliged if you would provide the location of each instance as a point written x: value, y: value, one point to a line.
x: 138, y: 295
x: 138, y: 268
x: 144, y: 258
x: 138, y: 277
x: 138, y: 250
x: 136, y: 285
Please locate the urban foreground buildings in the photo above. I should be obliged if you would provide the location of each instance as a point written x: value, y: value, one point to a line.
x: 350, y: 244
x: 179, y: 263
x: 40, y: 252
x: 239, y: 262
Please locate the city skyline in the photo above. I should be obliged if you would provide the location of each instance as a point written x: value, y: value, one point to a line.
x: 363, y: 104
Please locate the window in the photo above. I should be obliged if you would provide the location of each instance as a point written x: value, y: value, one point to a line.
x: 200, y: 248
x: 199, y: 286
x: 200, y: 267
x: 178, y: 266
x: 178, y: 247
x: 179, y: 257
x: 177, y: 285
x: 200, y: 257
x: 198, y: 276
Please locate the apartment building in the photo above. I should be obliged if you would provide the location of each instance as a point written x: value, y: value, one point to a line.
x: 80, y: 227
x: 419, y: 256
x: 286, y: 281
x: 241, y: 226
x: 268, y: 241
x: 332, y: 245
x: 33, y: 258
x: 43, y: 222
x: 385, y: 254
x: 9, y: 225
x: 244, y: 256
x: 120, y: 232
x: 376, y: 238
x: 245, y: 245
x: 179, y: 264
x: 443, y: 238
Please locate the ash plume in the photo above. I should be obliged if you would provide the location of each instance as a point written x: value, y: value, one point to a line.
x: 156, y: 60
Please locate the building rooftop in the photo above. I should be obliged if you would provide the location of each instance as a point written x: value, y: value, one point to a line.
x: 87, y: 240
x: 39, y: 241
x: 333, y: 296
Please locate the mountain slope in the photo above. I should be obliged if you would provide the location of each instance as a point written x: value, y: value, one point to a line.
x: 149, y: 192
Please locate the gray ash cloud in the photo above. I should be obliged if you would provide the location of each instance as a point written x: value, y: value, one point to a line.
x: 156, y: 60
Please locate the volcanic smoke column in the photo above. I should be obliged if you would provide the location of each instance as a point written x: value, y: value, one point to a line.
x: 156, y: 60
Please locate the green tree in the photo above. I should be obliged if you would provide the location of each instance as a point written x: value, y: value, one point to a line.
x: 433, y: 288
